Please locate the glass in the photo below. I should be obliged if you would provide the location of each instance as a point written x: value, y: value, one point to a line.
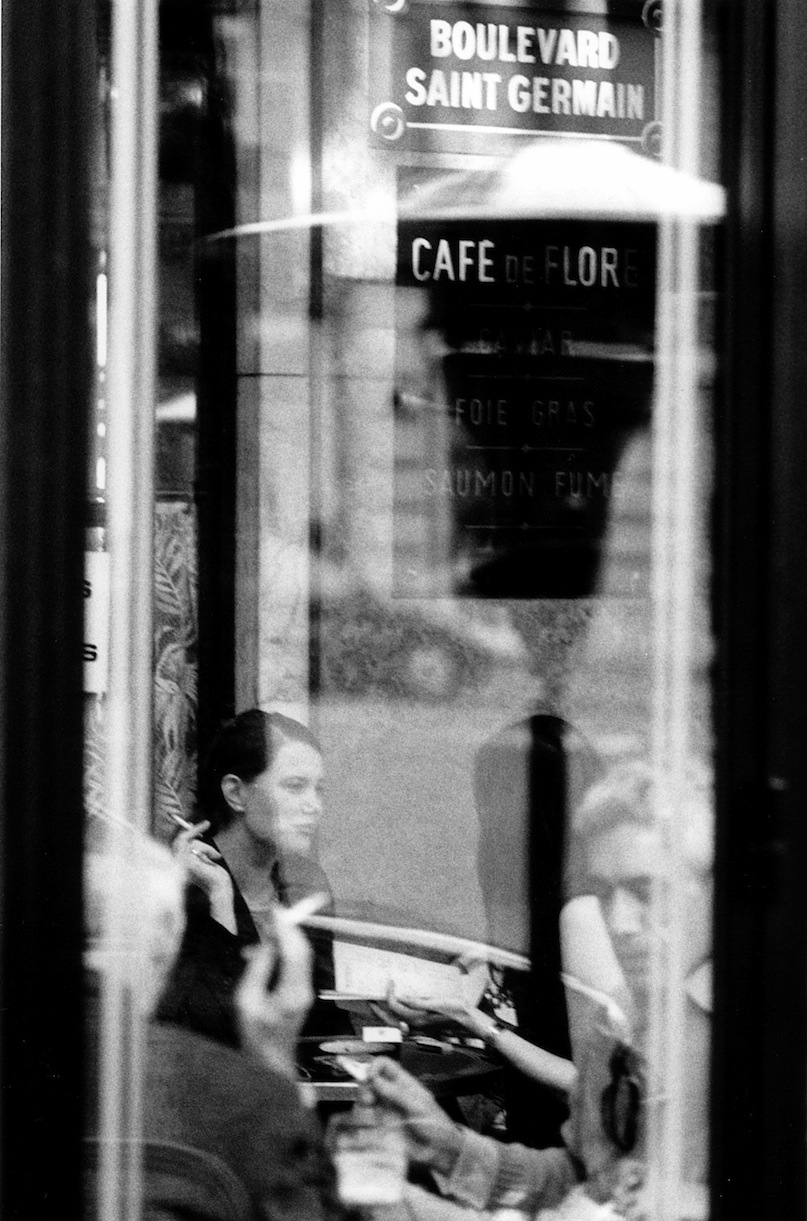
x: 469, y: 500
x: 369, y: 1155
x: 433, y: 460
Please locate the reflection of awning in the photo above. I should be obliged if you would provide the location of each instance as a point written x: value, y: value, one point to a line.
x: 417, y: 940
x: 564, y: 179
x: 570, y: 180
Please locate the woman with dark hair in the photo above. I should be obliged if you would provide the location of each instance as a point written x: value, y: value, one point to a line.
x: 262, y: 793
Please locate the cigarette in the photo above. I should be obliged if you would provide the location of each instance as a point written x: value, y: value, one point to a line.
x: 182, y: 822
x: 299, y: 912
x: 359, y: 1070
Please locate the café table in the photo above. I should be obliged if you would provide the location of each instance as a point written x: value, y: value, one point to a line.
x: 449, y: 1069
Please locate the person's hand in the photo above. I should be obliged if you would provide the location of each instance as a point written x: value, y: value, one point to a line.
x: 270, y: 1021
x: 468, y: 1017
x: 201, y: 864
x: 397, y: 1011
x: 426, y: 1011
x: 433, y: 1139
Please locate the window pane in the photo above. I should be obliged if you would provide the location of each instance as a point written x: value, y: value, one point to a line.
x: 433, y: 459
x: 475, y: 358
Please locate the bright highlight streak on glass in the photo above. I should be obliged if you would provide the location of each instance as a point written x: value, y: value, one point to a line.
x: 100, y: 319
x: 300, y: 182
x: 100, y: 474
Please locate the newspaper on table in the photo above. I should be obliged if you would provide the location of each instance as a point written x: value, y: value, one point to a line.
x: 418, y: 964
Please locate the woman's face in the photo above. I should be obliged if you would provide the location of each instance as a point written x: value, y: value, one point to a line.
x: 283, y: 804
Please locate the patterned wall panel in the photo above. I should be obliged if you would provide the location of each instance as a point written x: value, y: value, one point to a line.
x: 175, y: 661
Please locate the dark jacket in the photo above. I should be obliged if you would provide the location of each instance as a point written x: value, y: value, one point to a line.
x: 200, y: 989
x: 230, y: 1109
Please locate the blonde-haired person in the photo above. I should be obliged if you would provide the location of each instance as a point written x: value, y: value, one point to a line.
x: 238, y: 1114
x: 623, y: 853
x: 631, y: 838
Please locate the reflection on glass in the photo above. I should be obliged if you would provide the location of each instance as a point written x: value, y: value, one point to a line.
x: 454, y: 433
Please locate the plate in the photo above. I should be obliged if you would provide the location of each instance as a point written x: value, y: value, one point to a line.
x: 352, y: 1047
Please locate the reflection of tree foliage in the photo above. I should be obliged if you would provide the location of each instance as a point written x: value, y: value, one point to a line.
x: 95, y: 803
x: 549, y: 629
x: 175, y: 662
x: 175, y: 683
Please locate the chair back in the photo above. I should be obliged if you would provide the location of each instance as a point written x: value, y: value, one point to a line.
x: 180, y: 1183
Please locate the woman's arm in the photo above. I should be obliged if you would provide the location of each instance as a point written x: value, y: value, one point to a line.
x: 534, y: 1062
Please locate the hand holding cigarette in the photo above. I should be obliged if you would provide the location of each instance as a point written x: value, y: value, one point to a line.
x: 201, y: 863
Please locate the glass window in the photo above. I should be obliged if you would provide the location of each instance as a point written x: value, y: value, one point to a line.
x: 433, y: 456
x: 473, y: 397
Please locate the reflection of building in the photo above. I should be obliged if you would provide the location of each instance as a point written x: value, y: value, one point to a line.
x: 433, y: 416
